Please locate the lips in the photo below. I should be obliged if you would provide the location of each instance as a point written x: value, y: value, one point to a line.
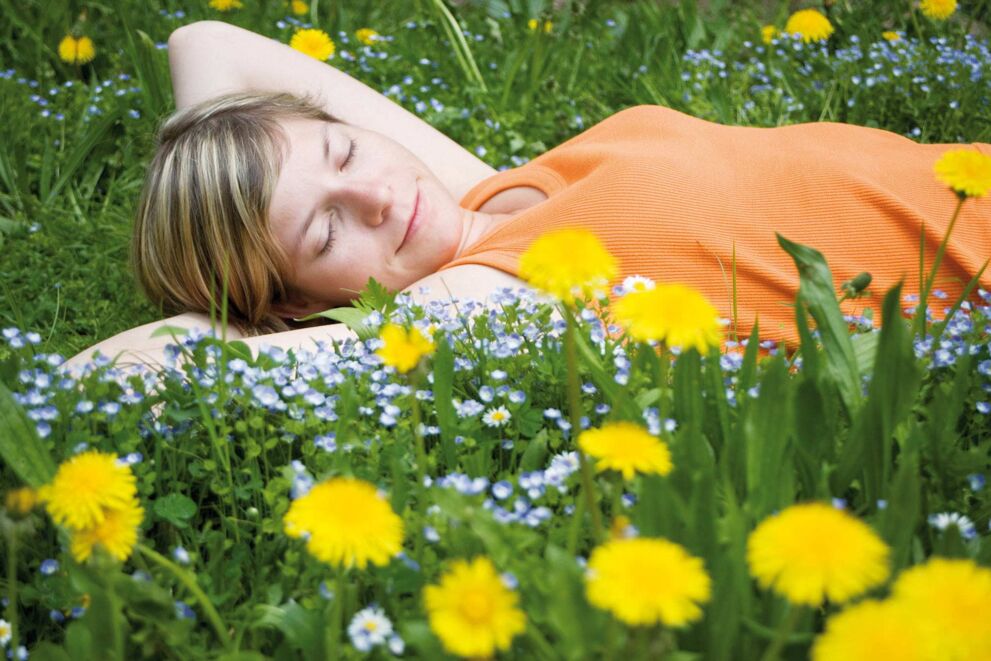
x: 414, y: 220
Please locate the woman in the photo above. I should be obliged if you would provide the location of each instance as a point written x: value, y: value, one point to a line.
x: 298, y: 202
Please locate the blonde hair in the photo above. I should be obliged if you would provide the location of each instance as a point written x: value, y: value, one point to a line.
x: 203, y: 213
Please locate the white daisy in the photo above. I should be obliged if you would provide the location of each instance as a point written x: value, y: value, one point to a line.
x: 5, y: 633
x: 369, y: 627
x: 944, y: 520
x: 497, y: 417
x: 637, y: 283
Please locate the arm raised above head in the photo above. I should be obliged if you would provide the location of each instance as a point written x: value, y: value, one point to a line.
x: 210, y: 58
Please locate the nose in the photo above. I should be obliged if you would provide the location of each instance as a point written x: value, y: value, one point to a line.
x: 368, y: 200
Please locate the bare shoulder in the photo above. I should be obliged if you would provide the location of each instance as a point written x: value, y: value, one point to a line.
x: 465, y: 281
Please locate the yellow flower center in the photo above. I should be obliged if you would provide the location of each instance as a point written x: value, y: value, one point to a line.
x: 476, y: 606
x: 371, y: 626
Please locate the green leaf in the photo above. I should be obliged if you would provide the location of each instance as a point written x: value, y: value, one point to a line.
x: 353, y: 318
x: 302, y: 628
x: 20, y: 447
x: 816, y: 292
x: 767, y: 429
x: 175, y: 508
x: 172, y: 331
x: 447, y: 420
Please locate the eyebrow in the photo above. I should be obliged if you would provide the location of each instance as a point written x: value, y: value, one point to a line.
x: 313, y: 211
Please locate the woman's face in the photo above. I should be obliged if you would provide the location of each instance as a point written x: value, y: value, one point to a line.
x: 343, y: 210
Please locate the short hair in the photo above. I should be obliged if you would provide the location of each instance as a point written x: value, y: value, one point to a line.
x: 202, y: 217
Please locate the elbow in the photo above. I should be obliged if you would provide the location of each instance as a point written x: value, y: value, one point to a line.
x: 189, y: 37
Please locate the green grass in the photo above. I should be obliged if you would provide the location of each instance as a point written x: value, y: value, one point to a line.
x: 892, y: 424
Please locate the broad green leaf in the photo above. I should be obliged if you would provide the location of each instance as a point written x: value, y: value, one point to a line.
x: 20, y: 447
x: 816, y: 290
x: 171, y: 331
x: 303, y: 629
x: 767, y: 429
x: 447, y: 420
x: 175, y: 508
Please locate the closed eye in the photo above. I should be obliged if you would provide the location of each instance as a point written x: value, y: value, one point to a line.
x: 329, y: 243
x: 352, y: 150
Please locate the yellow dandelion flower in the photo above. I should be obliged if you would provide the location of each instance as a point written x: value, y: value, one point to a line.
x: 313, y: 42
x: 891, y: 35
x: 768, y: 33
x: 810, y: 25
x: 76, y: 50
x: 367, y: 36
x: 966, y: 171
x: 952, y: 599
x: 403, y: 349
x: 568, y: 263
x: 298, y: 7
x: 534, y: 25
x: 472, y: 611
x: 225, y: 5
x: 626, y: 447
x: 677, y: 315
x: 645, y: 581
x: 346, y: 523
x: 862, y: 631
x: 85, y: 486
x: 938, y: 10
x: 20, y: 502
x: 117, y: 533
x: 813, y: 551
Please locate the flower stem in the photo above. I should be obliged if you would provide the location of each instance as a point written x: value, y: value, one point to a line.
x: 333, y: 640
x: 574, y: 407
x: 920, y: 310
x: 781, y: 635
x: 421, y: 473
x: 12, y: 588
x: 188, y: 580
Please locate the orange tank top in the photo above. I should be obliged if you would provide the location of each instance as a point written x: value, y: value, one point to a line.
x: 672, y: 197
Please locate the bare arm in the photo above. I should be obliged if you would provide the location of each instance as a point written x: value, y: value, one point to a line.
x: 211, y: 58
x: 137, y: 346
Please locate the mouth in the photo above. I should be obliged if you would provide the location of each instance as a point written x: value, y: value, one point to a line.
x: 414, y: 221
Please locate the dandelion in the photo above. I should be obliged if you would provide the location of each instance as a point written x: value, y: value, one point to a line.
x: 20, y: 502
x: 313, y: 42
x: 85, y: 487
x: 587, y: 268
x: 368, y: 628
x: 966, y: 171
x: 497, y: 417
x: 367, y: 36
x: 116, y: 533
x: 891, y: 35
x: 533, y: 25
x: 951, y: 599
x: 76, y: 50
x: 810, y: 25
x: 811, y: 552
x: 626, y: 447
x: 861, y: 631
x: 346, y: 523
x: 768, y: 33
x: 675, y: 314
x: 299, y: 7
x: 225, y: 5
x: 472, y: 611
x: 645, y: 581
x: 403, y: 349
x: 938, y: 10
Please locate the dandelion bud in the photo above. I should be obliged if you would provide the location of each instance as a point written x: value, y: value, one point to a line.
x: 856, y: 286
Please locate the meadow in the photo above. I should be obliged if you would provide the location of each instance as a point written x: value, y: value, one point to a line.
x: 526, y: 477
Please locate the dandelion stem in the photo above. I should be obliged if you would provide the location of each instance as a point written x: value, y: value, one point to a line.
x: 574, y: 406
x: 333, y: 641
x: 189, y: 582
x: 421, y: 472
x: 920, y: 310
x: 781, y: 635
